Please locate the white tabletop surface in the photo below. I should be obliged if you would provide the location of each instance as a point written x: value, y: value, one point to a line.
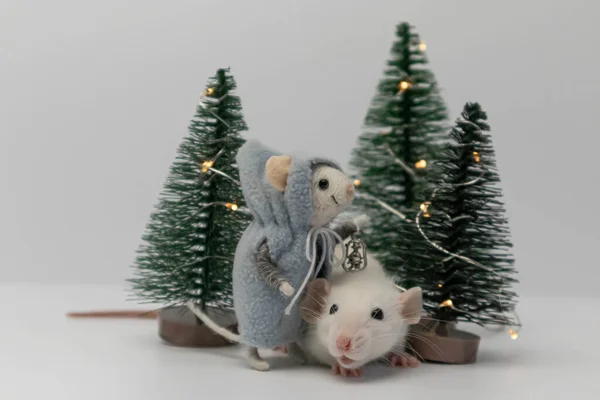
x: 44, y: 355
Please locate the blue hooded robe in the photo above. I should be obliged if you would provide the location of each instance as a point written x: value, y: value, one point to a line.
x: 283, y: 220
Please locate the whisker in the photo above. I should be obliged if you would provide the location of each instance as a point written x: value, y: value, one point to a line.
x: 312, y: 313
x: 387, y: 361
x: 384, y: 335
x: 406, y: 355
x: 415, y: 351
x: 318, y: 301
x: 428, y: 342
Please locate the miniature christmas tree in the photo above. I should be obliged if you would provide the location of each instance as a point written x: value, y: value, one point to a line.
x: 460, y: 240
x: 405, y: 129
x: 190, y: 240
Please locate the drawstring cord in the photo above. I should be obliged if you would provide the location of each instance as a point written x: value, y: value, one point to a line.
x: 329, y: 240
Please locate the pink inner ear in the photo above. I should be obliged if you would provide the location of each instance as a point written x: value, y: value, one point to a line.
x: 411, y: 305
x: 276, y: 170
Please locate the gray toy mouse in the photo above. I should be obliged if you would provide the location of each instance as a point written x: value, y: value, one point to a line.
x: 288, y: 244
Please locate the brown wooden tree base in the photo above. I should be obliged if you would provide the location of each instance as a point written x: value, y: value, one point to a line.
x: 178, y: 326
x: 433, y: 341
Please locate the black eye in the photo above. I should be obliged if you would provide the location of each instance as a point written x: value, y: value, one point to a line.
x: 333, y: 309
x: 377, y: 314
x: 323, y: 184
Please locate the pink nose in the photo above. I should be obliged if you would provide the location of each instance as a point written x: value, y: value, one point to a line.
x: 350, y: 191
x: 343, y: 343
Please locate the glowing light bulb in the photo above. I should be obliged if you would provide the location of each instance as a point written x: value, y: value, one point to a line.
x: 476, y: 157
x: 421, y: 164
x: 440, y: 285
x: 206, y: 165
x: 514, y: 334
x: 210, y: 91
x: 231, y: 206
x: 403, y: 85
x: 357, y: 182
x: 422, y: 46
x: 447, y: 303
x: 425, y: 208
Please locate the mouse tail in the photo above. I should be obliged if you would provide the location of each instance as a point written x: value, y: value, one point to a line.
x: 227, y: 334
x: 114, y: 314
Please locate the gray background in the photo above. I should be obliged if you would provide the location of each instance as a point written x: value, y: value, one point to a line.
x: 95, y: 97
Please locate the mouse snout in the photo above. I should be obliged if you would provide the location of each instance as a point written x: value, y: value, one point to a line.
x: 350, y: 191
x: 343, y: 343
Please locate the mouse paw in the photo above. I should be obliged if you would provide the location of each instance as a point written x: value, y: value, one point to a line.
x: 403, y: 360
x: 255, y: 360
x: 286, y: 289
x: 339, y: 370
x: 260, y: 365
x: 282, y: 349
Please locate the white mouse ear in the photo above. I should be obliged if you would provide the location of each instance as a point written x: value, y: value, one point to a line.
x: 277, y: 169
x: 313, y: 302
x: 411, y: 304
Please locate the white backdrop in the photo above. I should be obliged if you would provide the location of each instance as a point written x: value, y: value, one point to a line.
x: 95, y: 97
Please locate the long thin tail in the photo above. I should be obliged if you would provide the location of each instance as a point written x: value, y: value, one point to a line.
x: 114, y: 314
x: 227, y: 334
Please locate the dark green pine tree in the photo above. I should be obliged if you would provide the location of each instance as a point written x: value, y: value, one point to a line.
x: 190, y: 240
x: 465, y: 217
x: 405, y: 128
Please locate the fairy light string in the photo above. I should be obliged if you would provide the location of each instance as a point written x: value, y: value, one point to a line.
x: 424, y: 211
x: 201, y: 103
x: 208, y: 165
x: 396, y: 160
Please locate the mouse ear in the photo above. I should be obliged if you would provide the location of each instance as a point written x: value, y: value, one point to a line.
x: 312, y: 304
x: 411, y: 305
x: 277, y: 169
